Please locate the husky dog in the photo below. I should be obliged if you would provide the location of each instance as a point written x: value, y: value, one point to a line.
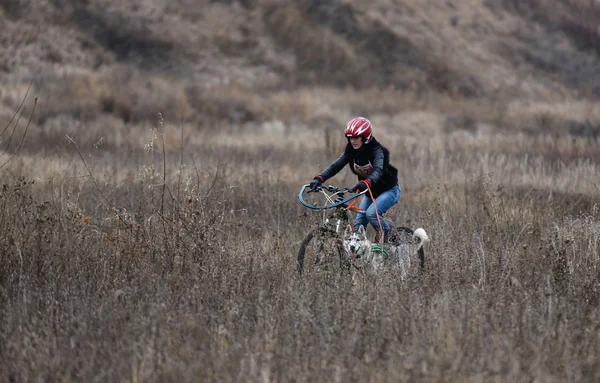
x: 358, y: 247
x: 362, y: 253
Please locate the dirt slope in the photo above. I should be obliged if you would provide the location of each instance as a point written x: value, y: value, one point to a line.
x: 112, y: 54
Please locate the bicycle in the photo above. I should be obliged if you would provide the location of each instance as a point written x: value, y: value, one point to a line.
x: 325, y: 242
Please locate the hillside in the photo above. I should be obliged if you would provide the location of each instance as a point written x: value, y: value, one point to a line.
x: 194, y: 60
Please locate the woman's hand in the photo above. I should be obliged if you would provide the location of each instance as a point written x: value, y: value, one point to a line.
x: 360, y: 187
x: 315, y: 184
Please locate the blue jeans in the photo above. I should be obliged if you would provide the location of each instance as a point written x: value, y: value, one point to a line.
x: 384, y: 202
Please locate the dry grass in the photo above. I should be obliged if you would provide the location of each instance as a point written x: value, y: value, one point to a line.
x: 127, y: 279
x: 137, y: 250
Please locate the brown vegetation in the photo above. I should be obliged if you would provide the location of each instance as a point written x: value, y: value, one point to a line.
x: 195, y: 278
x: 149, y: 222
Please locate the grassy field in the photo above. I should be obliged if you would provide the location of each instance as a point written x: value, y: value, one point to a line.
x: 110, y: 273
x: 149, y: 220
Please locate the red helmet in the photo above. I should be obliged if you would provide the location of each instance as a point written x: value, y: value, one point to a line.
x: 360, y: 127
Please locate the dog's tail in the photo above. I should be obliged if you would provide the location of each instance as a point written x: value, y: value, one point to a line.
x: 420, y: 237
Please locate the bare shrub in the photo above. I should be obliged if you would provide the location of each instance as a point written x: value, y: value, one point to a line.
x: 69, y: 91
x: 135, y: 97
x: 125, y: 93
x: 232, y: 103
x: 316, y: 48
x: 574, y: 118
x: 577, y: 20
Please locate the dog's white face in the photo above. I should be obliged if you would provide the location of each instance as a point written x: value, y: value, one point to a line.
x: 357, y: 246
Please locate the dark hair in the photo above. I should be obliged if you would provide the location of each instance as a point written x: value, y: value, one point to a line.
x: 368, y: 146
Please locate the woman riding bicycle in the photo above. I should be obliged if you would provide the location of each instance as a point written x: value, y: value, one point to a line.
x: 370, y: 161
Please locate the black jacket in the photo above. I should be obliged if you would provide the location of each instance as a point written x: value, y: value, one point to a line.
x: 371, y: 162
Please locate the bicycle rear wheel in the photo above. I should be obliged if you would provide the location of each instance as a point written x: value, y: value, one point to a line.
x: 320, y: 251
x: 404, y: 235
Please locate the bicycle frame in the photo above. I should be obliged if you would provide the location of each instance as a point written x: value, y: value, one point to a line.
x: 336, y: 201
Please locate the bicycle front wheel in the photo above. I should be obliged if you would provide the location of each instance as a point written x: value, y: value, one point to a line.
x: 320, y: 251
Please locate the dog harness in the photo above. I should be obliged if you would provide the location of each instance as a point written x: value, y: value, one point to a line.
x: 379, y: 249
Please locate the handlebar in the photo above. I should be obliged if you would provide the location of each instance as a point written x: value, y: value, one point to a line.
x: 340, y: 201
